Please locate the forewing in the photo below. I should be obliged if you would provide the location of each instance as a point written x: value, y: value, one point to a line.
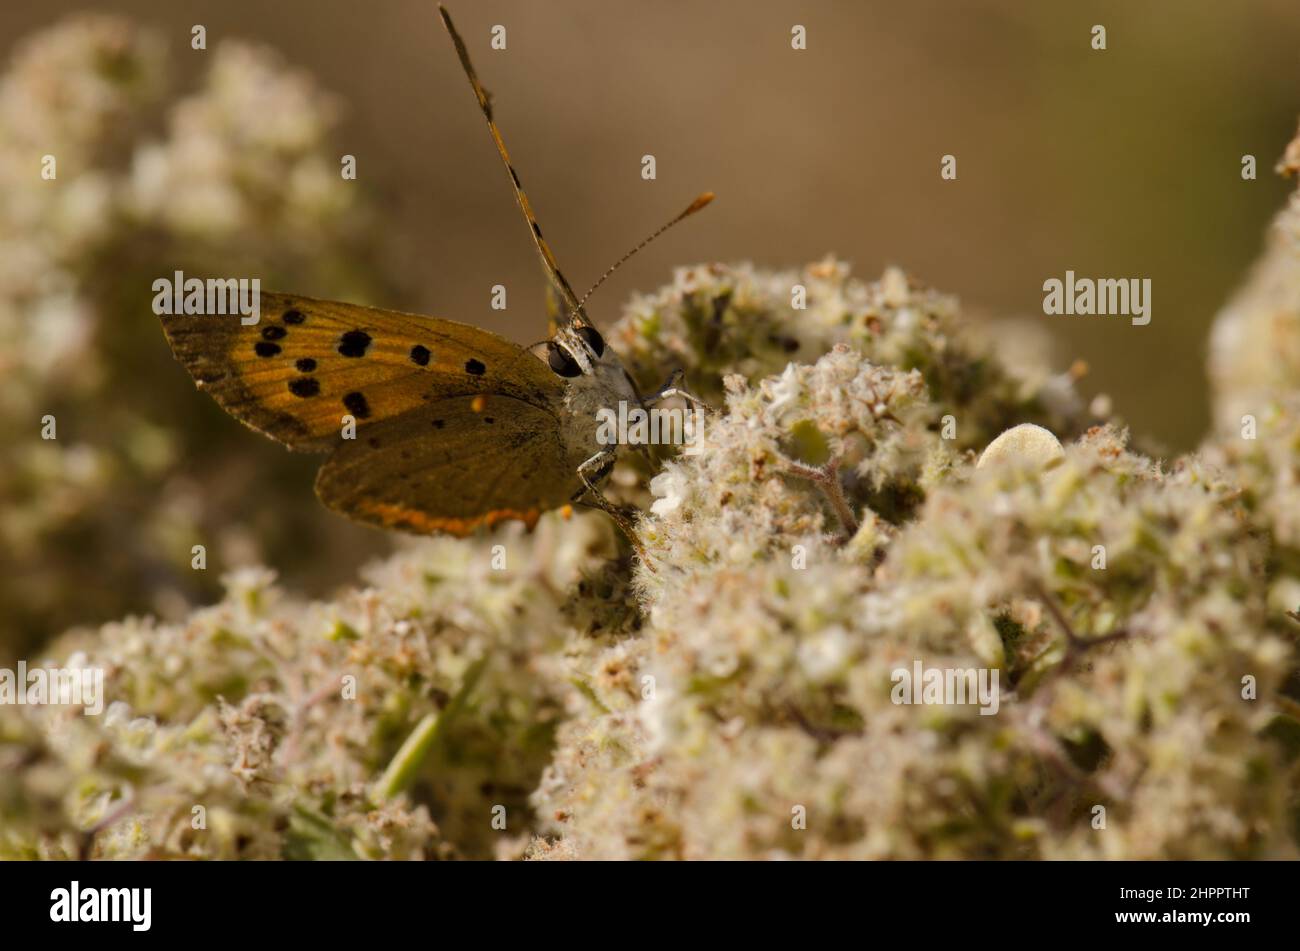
x: 454, y: 466
x: 307, y: 363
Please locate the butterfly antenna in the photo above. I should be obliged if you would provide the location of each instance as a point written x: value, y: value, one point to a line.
x: 700, y: 202
x: 485, y: 105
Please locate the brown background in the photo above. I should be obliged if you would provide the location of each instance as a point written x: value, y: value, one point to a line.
x: 1120, y: 163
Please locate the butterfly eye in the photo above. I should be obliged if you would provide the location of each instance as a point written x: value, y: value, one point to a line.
x: 592, y: 339
x: 560, y: 361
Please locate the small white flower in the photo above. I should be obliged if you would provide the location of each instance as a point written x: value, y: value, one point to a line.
x: 670, y: 488
x: 824, y: 653
x: 893, y: 287
x: 786, y: 390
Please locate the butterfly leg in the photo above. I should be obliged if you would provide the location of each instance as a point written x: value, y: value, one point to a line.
x: 673, y: 388
x: 591, y: 472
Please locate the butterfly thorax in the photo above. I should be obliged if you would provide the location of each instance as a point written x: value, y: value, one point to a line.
x: 596, y: 380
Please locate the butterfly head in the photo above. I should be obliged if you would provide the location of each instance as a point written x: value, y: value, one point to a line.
x: 595, y: 375
x: 578, y: 350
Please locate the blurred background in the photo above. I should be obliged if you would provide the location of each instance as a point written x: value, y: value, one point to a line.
x: 1122, y: 163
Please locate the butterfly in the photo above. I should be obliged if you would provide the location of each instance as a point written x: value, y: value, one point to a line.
x: 453, y: 427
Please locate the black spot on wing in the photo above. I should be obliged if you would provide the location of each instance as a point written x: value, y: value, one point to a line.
x: 357, y: 405
x: 293, y: 317
x: 264, y: 349
x: 304, y: 386
x: 354, y: 343
x: 274, y: 333
x: 306, y: 365
x: 475, y: 367
x: 420, y: 355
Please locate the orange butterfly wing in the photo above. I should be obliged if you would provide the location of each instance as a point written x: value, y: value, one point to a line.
x: 307, y: 363
x: 456, y: 427
x: 454, y: 465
